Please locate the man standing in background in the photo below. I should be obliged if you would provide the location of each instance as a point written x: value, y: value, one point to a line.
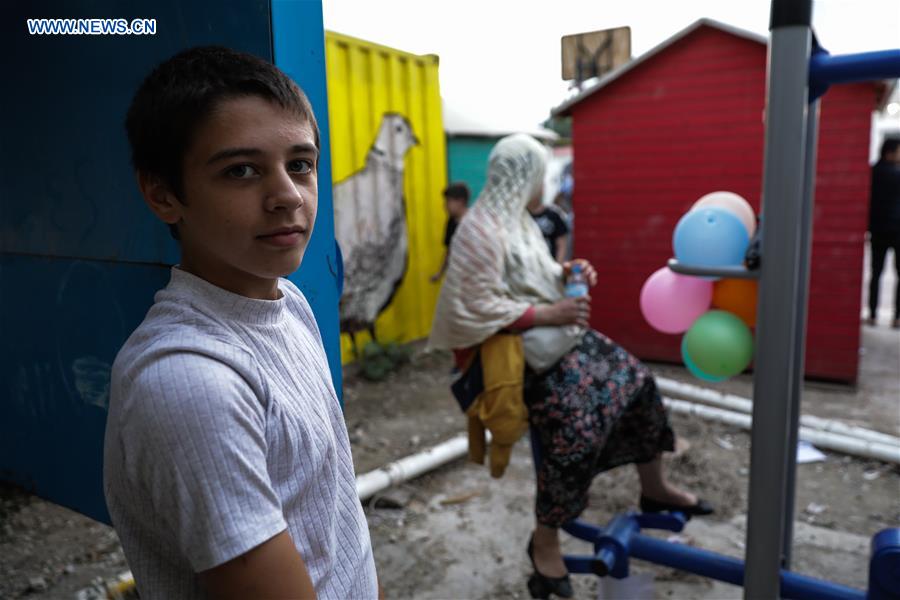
x: 884, y: 224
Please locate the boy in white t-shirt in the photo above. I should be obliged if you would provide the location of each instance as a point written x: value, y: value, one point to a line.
x: 227, y: 467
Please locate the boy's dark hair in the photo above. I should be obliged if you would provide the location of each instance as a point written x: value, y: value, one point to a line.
x: 889, y: 146
x: 180, y: 93
x: 458, y: 190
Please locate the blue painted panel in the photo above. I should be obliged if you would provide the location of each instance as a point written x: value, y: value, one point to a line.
x: 62, y: 323
x: 69, y: 189
x: 299, y: 42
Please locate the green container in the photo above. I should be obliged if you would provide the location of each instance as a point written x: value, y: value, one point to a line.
x: 467, y: 158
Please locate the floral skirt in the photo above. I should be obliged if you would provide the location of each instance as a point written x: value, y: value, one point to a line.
x: 598, y: 408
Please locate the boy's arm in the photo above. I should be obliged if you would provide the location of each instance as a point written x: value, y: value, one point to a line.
x: 274, y: 569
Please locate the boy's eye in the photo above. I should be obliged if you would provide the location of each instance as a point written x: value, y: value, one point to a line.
x: 301, y: 166
x: 241, y: 171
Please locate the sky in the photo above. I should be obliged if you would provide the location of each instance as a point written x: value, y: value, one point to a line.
x: 500, y: 59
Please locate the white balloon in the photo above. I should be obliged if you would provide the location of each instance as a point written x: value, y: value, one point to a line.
x: 733, y: 203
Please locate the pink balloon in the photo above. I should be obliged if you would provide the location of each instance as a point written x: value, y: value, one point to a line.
x: 671, y: 302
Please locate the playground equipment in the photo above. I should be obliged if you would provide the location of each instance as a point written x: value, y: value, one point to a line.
x: 714, y: 233
x: 799, y: 72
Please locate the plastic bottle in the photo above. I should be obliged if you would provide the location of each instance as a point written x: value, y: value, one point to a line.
x: 576, y: 283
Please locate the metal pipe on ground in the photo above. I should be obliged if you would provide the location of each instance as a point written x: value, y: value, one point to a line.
x: 745, y: 405
x: 823, y: 439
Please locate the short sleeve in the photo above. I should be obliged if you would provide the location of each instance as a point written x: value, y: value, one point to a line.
x: 195, y: 448
x: 559, y: 224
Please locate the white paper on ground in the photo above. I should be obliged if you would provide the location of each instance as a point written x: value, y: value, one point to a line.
x: 638, y: 586
x: 807, y: 453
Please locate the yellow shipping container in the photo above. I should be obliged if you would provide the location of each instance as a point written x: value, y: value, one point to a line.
x: 384, y: 109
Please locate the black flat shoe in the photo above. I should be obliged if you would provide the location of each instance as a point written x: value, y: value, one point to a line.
x: 541, y: 586
x: 699, y: 509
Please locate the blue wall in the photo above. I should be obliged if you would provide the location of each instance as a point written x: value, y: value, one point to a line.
x: 299, y: 43
x: 80, y: 254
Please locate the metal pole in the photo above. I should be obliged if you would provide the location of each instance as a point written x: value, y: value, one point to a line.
x: 729, y: 272
x: 731, y: 570
x: 809, y: 194
x: 776, y: 363
x: 866, y: 66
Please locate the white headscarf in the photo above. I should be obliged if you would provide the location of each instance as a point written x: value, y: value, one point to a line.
x: 499, y: 262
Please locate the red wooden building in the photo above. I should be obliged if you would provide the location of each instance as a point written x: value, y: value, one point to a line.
x: 685, y: 119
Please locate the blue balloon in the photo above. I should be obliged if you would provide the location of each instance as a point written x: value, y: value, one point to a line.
x: 710, y: 237
x: 694, y: 370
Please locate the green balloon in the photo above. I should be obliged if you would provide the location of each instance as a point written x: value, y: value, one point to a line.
x: 719, y: 344
x: 692, y: 368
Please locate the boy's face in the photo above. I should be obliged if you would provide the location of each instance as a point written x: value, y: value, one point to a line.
x: 250, y: 196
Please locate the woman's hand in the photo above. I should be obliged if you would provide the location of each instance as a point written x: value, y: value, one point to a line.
x: 587, y: 268
x: 567, y: 311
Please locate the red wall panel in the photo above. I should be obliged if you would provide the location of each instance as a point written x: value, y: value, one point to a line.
x: 689, y: 121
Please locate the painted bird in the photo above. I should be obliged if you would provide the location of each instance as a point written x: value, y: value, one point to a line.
x: 370, y: 226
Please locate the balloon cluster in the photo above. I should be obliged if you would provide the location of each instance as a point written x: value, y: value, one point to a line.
x: 717, y: 343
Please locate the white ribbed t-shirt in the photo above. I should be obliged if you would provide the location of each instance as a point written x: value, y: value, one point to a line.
x: 224, y: 430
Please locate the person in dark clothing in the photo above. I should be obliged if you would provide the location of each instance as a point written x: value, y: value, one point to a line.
x: 554, y: 228
x: 884, y: 223
x: 456, y: 199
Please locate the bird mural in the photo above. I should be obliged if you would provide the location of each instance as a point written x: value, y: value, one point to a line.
x: 370, y: 227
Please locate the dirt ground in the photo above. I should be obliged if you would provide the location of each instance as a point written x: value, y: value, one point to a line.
x: 457, y: 533
x: 459, y: 521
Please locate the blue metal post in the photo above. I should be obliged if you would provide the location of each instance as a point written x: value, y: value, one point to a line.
x: 621, y: 539
x: 731, y: 570
x: 825, y: 69
x: 884, y: 566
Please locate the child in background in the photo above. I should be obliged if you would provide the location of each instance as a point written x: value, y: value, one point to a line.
x: 456, y: 201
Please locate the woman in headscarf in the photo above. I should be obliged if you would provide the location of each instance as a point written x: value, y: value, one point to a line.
x: 596, y: 406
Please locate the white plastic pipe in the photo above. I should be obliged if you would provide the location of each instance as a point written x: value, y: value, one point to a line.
x: 823, y: 439
x: 369, y: 484
x: 745, y: 405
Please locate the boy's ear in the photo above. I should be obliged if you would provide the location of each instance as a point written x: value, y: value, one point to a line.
x: 159, y: 198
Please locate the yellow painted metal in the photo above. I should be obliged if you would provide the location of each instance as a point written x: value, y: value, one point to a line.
x: 366, y: 80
